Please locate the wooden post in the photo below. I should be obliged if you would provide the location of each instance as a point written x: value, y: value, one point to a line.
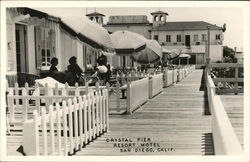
x: 71, y: 142
x: 80, y: 108
x: 106, y: 107
x: 89, y: 117
x: 128, y: 98
x: 65, y: 112
x: 86, y: 88
x: 31, y: 136
x: 51, y: 124
x: 236, y: 83
x: 85, y: 121
x: 93, y: 110
x: 118, y: 96
x: 67, y: 88
x: 101, y: 108
x: 76, y: 120
x: 97, y: 98
x: 44, y: 132
x: 25, y: 104
x: 58, y: 120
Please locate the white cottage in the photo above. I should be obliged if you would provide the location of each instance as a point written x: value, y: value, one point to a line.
x: 34, y: 37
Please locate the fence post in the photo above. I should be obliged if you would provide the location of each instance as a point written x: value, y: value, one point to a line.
x: 31, y: 136
x: 106, y: 107
x: 58, y: 119
x: 86, y: 88
x: 25, y: 104
x: 118, y: 96
x: 65, y: 132
x: 76, y: 121
x: 52, y: 135
x: 128, y: 98
x: 71, y: 145
x: 44, y: 131
x: 85, y: 104
x: 236, y: 83
x: 81, y: 121
x: 67, y: 88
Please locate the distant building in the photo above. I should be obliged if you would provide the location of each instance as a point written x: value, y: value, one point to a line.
x: 189, y: 36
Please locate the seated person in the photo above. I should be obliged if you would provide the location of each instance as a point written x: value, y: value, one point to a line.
x: 75, y: 72
x: 53, y: 71
x: 102, y: 71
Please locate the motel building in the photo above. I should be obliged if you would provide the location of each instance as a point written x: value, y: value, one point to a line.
x: 190, y: 36
x: 34, y: 37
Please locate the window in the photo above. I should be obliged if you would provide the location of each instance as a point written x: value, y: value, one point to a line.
x: 156, y: 37
x: 217, y: 36
x: 168, y: 38
x: 204, y: 37
x: 45, y: 45
x: 196, y: 38
x: 178, y: 38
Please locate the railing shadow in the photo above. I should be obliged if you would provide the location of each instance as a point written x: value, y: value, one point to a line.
x: 207, y: 144
x: 206, y: 110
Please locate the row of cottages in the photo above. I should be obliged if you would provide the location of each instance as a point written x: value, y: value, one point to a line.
x: 190, y: 36
x: 34, y: 37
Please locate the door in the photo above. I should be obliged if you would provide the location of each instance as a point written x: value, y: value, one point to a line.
x: 21, y: 52
x: 187, y: 40
x: 192, y: 60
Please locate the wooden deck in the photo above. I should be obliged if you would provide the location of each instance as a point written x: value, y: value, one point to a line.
x: 172, y: 123
x: 234, y: 106
x: 175, y: 122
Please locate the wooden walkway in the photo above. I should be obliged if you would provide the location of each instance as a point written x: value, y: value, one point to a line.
x: 172, y: 123
x: 234, y: 106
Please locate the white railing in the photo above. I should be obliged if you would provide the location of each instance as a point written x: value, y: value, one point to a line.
x: 180, y: 74
x: 175, y: 75
x: 155, y: 85
x: 67, y: 128
x: 224, y: 137
x: 168, y: 78
x: 137, y: 94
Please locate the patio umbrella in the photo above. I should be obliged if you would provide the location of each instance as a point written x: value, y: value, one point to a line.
x: 87, y: 31
x: 184, y: 55
x: 165, y: 51
x: 126, y: 42
x: 174, y: 54
x: 151, y: 54
x: 95, y: 35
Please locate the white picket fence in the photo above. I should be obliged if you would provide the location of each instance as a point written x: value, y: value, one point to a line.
x: 224, y: 136
x: 67, y: 128
x: 21, y: 101
x: 155, y: 85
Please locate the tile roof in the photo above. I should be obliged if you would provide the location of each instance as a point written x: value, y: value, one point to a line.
x: 188, y: 25
x: 95, y: 14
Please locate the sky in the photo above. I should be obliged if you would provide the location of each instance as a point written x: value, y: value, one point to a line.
x: 232, y: 16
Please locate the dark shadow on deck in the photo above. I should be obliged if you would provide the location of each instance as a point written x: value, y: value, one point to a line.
x: 206, y: 106
x: 203, y: 82
x: 207, y: 144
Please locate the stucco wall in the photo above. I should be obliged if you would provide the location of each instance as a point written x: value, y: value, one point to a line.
x: 11, y: 46
x: 162, y: 36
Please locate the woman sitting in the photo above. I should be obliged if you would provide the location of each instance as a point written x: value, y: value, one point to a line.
x: 53, y: 71
x: 102, y: 72
x: 75, y: 72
